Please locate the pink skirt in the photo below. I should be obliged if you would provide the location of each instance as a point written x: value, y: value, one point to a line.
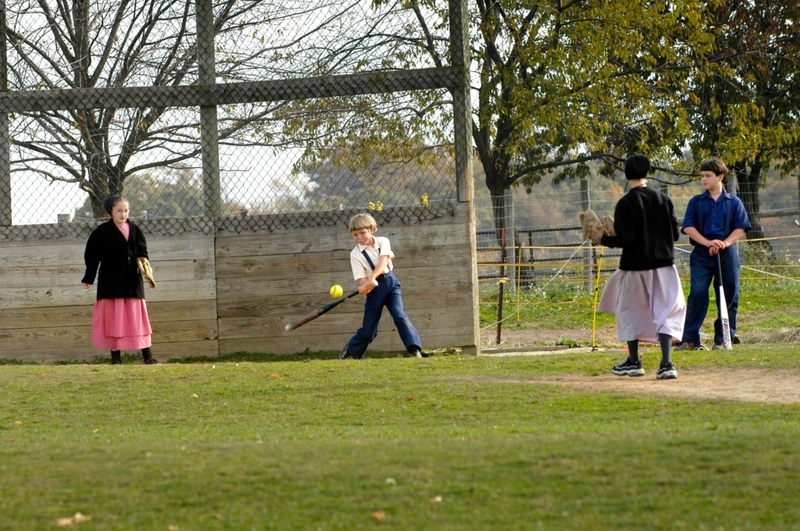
x: 646, y: 303
x: 121, y: 324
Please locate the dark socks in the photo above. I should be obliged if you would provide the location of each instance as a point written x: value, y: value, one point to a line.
x: 147, y: 356
x: 116, y: 357
x: 633, y: 350
x: 666, y: 348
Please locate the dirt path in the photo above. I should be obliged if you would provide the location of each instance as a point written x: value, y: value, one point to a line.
x: 747, y: 385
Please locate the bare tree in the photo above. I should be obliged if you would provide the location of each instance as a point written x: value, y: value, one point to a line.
x: 95, y: 44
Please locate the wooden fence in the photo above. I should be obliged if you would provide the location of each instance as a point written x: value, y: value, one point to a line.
x: 230, y: 285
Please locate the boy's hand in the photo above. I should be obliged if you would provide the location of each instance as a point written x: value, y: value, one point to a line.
x: 715, y: 246
x: 367, y: 286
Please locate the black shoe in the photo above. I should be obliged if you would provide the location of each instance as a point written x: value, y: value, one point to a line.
x: 344, y: 355
x: 628, y: 368
x: 150, y: 361
x: 667, y: 372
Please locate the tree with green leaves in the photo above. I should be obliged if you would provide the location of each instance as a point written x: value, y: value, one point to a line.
x: 745, y: 108
x: 556, y: 84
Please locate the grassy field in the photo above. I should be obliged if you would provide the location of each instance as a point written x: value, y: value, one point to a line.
x: 448, y: 442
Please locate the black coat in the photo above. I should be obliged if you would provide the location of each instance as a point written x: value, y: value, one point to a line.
x: 647, y: 229
x: 119, y: 275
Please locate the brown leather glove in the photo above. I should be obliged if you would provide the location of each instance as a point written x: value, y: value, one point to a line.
x: 592, y: 226
x: 608, y: 225
x: 146, y: 270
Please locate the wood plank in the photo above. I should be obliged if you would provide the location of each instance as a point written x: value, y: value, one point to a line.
x: 331, y: 266
x: 76, y: 295
x: 36, y: 276
x: 331, y: 323
x: 329, y: 241
x: 245, y: 287
x: 71, y: 275
x: 292, y: 306
x: 386, y: 343
x: 53, y: 253
x: 182, y: 310
x: 81, y: 335
x: 161, y: 352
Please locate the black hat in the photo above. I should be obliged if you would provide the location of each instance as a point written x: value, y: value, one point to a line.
x: 636, y: 167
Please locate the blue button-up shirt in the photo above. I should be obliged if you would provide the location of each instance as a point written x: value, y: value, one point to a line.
x: 716, y: 219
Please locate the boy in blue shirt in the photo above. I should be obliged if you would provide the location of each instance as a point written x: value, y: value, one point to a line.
x: 714, y: 221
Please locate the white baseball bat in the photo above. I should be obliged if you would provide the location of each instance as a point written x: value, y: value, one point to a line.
x: 723, y: 311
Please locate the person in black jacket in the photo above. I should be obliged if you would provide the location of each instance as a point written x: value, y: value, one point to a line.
x: 120, y: 320
x: 645, y: 293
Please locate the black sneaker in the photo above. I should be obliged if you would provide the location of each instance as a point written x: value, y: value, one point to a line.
x: 628, y: 368
x: 344, y: 355
x: 667, y: 372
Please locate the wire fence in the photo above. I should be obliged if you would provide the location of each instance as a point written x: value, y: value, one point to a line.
x: 546, y: 244
x: 225, y: 109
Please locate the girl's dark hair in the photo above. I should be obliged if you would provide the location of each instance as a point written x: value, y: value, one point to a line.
x: 112, y: 200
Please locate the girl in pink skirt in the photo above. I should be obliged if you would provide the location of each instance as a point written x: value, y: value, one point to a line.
x: 120, y: 320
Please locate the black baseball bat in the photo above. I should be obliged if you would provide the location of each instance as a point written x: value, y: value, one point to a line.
x: 319, y: 311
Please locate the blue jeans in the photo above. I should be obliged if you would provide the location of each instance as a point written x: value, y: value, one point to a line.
x: 387, y: 294
x: 704, y: 270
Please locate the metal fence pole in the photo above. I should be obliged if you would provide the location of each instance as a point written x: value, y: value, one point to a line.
x: 462, y: 111
x: 209, y: 136
x: 586, y: 204
x: 5, y: 144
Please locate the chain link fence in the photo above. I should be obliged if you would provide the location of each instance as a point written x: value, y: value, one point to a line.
x: 547, y: 244
x: 225, y: 109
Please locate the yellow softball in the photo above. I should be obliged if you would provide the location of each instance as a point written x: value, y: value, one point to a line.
x: 336, y: 291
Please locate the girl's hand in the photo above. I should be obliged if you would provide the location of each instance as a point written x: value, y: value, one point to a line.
x: 86, y: 286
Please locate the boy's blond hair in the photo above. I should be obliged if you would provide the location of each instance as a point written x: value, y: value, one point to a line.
x: 362, y: 221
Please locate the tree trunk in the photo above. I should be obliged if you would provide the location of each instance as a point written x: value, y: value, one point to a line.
x: 748, y: 184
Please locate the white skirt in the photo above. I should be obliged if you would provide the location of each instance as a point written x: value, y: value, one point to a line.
x: 646, y: 303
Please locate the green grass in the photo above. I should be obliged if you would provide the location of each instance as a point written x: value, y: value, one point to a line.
x: 222, y: 445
